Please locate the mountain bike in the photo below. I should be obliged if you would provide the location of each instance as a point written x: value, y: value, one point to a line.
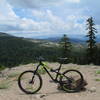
x: 31, y: 82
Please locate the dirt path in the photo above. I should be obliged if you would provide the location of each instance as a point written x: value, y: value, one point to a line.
x: 49, y: 90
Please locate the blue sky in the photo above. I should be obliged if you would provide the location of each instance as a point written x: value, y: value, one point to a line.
x: 47, y: 18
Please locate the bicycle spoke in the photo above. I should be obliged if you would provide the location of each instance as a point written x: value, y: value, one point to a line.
x: 71, y: 80
x: 29, y: 83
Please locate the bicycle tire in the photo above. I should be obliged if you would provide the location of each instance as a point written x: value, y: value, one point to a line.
x: 21, y: 86
x: 78, y: 88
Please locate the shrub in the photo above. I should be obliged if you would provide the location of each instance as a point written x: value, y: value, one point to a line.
x: 2, y: 67
x: 98, y: 72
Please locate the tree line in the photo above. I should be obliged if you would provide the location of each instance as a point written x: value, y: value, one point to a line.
x: 88, y: 55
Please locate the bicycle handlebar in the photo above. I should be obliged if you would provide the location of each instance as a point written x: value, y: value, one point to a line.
x: 61, y: 60
x: 40, y: 59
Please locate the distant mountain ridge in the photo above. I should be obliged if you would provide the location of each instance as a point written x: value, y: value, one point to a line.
x: 5, y: 34
x: 73, y: 40
x: 53, y: 39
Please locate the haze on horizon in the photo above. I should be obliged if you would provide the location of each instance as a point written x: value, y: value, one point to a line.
x: 46, y: 18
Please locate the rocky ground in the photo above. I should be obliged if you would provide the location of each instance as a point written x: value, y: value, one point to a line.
x: 9, y: 89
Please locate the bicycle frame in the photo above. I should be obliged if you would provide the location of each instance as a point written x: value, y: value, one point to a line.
x: 44, y: 66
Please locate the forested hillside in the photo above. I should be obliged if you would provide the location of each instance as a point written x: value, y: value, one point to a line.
x: 15, y: 51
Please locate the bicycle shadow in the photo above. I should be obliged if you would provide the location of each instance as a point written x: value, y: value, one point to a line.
x: 63, y: 92
x: 53, y: 93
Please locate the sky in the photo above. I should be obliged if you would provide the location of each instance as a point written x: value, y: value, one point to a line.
x: 48, y: 18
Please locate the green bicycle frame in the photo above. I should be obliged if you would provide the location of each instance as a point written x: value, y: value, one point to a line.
x: 45, y: 68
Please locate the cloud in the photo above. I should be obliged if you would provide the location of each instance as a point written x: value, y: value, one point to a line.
x: 48, y: 21
x: 15, y: 25
x: 39, y: 3
x: 55, y: 23
x: 93, y: 9
x: 7, y: 17
x: 6, y: 11
x: 59, y: 24
x: 74, y: 1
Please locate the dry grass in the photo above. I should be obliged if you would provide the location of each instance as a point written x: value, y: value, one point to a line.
x: 97, y: 80
x: 98, y: 72
x: 4, y: 84
x: 13, y: 76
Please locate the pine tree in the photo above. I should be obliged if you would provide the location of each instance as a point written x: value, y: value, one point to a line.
x: 91, y: 42
x: 65, y: 46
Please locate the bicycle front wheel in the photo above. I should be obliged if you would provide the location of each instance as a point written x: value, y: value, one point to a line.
x: 30, y: 83
x: 71, y: 80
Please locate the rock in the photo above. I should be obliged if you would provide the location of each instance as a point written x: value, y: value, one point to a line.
x: 76, y: 84
x: 40, y: 96
x: 92, y: 89
x: 83, y: 84
x: 2, y: 74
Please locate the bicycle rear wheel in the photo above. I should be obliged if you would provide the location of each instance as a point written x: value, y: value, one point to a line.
x: 71, y: 81
x: 30, y: 83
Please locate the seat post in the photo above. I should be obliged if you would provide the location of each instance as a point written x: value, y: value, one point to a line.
x: 60, y: 66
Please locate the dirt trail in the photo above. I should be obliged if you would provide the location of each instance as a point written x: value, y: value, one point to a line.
x: 49, y: 90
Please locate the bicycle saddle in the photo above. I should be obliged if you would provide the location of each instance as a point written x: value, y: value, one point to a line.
x: 62, y: 59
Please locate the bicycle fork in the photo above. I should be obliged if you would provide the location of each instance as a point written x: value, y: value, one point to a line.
x: 32, y: 81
